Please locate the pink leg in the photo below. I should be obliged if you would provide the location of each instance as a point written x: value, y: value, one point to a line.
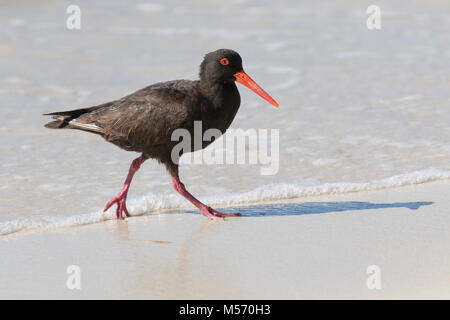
x: 204, y: 209
x: 121, y: 198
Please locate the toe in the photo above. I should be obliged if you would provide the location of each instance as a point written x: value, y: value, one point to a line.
x: 124, y: 209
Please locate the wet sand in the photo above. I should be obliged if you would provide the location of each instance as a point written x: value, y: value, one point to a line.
x: 318, y: 247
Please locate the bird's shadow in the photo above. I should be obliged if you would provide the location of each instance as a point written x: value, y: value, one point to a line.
x: 294, y: 209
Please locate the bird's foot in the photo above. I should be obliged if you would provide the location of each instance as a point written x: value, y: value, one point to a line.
x: 214, y: 214
x: 121, y: 201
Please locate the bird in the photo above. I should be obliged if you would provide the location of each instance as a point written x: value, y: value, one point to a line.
x: 144, y: 121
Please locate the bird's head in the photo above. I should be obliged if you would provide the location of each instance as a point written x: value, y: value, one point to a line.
x: 225, y: 66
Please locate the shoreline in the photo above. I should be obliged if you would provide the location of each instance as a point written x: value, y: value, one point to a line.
x: 319, y: 247
x: 152, y: 203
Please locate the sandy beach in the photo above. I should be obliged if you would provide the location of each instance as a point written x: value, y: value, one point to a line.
x: 317, y: 247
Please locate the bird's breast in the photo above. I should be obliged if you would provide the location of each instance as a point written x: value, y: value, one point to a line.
x: 222, y: 113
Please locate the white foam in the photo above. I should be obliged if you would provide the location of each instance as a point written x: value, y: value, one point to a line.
x: 266, y: 193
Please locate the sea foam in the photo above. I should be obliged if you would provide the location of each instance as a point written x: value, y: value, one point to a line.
x: 151, y: 203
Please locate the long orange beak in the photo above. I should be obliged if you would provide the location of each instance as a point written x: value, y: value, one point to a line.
x: 245, y: 79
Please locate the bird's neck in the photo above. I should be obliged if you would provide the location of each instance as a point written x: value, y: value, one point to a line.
x: 224, y: 101
x: 217, y: 92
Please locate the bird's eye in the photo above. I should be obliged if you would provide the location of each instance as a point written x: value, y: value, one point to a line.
x: 224, y: 61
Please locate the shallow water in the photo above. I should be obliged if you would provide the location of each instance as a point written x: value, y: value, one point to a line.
x: 356, y: 106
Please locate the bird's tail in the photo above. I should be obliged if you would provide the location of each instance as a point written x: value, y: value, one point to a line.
x: 55, y: 124
x: 63, y: 119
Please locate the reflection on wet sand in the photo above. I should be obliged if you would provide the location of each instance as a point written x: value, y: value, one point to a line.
x: 171, y: 265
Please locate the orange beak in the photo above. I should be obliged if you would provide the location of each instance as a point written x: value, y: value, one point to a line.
x: 244, y: 79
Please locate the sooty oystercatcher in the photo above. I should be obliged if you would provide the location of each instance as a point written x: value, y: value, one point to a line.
x: 144, y: 120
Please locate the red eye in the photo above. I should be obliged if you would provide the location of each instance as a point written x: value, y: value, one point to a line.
x: 224, y: 61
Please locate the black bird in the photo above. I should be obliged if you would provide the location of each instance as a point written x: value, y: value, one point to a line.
x: 144, y: 120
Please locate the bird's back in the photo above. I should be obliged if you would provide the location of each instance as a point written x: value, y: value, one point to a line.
x: 142, y: 120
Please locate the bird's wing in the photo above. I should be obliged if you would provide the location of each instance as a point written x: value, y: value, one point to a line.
x: 146, y: 117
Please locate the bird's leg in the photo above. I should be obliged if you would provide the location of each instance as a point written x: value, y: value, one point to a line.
x: 121, y: 198
x: 204, y: 209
